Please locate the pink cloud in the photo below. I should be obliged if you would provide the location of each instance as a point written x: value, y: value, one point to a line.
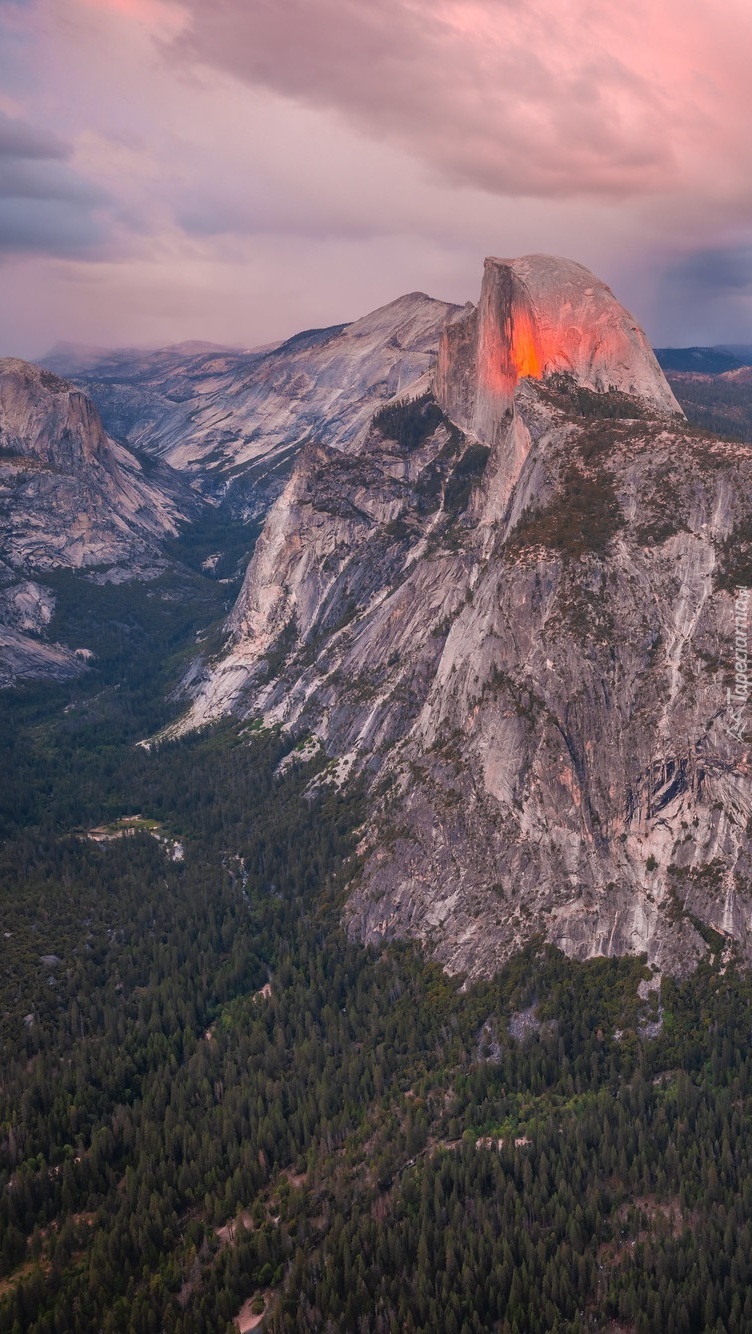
x: 538, y: 97
x: 260, y: 169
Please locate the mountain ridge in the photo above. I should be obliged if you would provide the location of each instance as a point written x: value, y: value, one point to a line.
x: 233, y: 422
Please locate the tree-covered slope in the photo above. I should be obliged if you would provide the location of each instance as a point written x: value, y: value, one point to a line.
x: 213, y: 1101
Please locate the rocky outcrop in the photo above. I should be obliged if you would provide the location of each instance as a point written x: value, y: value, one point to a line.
x: 26, y: 610
x: 70, y: 495
x: 27, y: 606
x: 521, y: 633
x: 23, y: 658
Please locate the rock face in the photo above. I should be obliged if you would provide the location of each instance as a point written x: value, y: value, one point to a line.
x: 27, y: 606
x: 26, y: 610
x: 69, y: 495
x: 23, y: 658
x: 518, y: 623
x: 234, y: 421
x: 536, y: 316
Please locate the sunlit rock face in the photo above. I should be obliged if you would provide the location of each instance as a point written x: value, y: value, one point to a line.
x: 538, y: 315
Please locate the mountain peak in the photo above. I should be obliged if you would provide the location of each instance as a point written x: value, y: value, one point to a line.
x: 411, y: 315
x: 537, y: 315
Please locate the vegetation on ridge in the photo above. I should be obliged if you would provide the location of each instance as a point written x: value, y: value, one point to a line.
x: 583, y: 515
x: 410, y: 421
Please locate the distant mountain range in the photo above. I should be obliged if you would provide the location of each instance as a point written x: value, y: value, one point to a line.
x: 233, y: 421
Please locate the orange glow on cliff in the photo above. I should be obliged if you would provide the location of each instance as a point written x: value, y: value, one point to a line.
x: 525, y: 353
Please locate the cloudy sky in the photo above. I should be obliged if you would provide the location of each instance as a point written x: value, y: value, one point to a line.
x: 241, y: 169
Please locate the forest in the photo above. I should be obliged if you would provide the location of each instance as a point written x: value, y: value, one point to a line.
x: 714, y: 404
x: 214, y: 1100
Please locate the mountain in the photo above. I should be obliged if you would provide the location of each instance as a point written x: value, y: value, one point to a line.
x: 742, y: 351
x: 234, y: 420
x: 68, y: 357
x: 71, y: 495
x: 70, y: 498
x: 197, y: 418
x: 510, y: 606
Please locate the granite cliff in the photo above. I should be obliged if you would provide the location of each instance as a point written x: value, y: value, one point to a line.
x: 537, y: 316
x: 509, y: 604
x: 71, y: 497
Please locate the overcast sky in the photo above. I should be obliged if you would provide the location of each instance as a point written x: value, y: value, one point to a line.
x: 237, y: 170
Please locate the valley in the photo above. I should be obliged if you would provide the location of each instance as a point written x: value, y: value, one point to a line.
x: 185, y: 1042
